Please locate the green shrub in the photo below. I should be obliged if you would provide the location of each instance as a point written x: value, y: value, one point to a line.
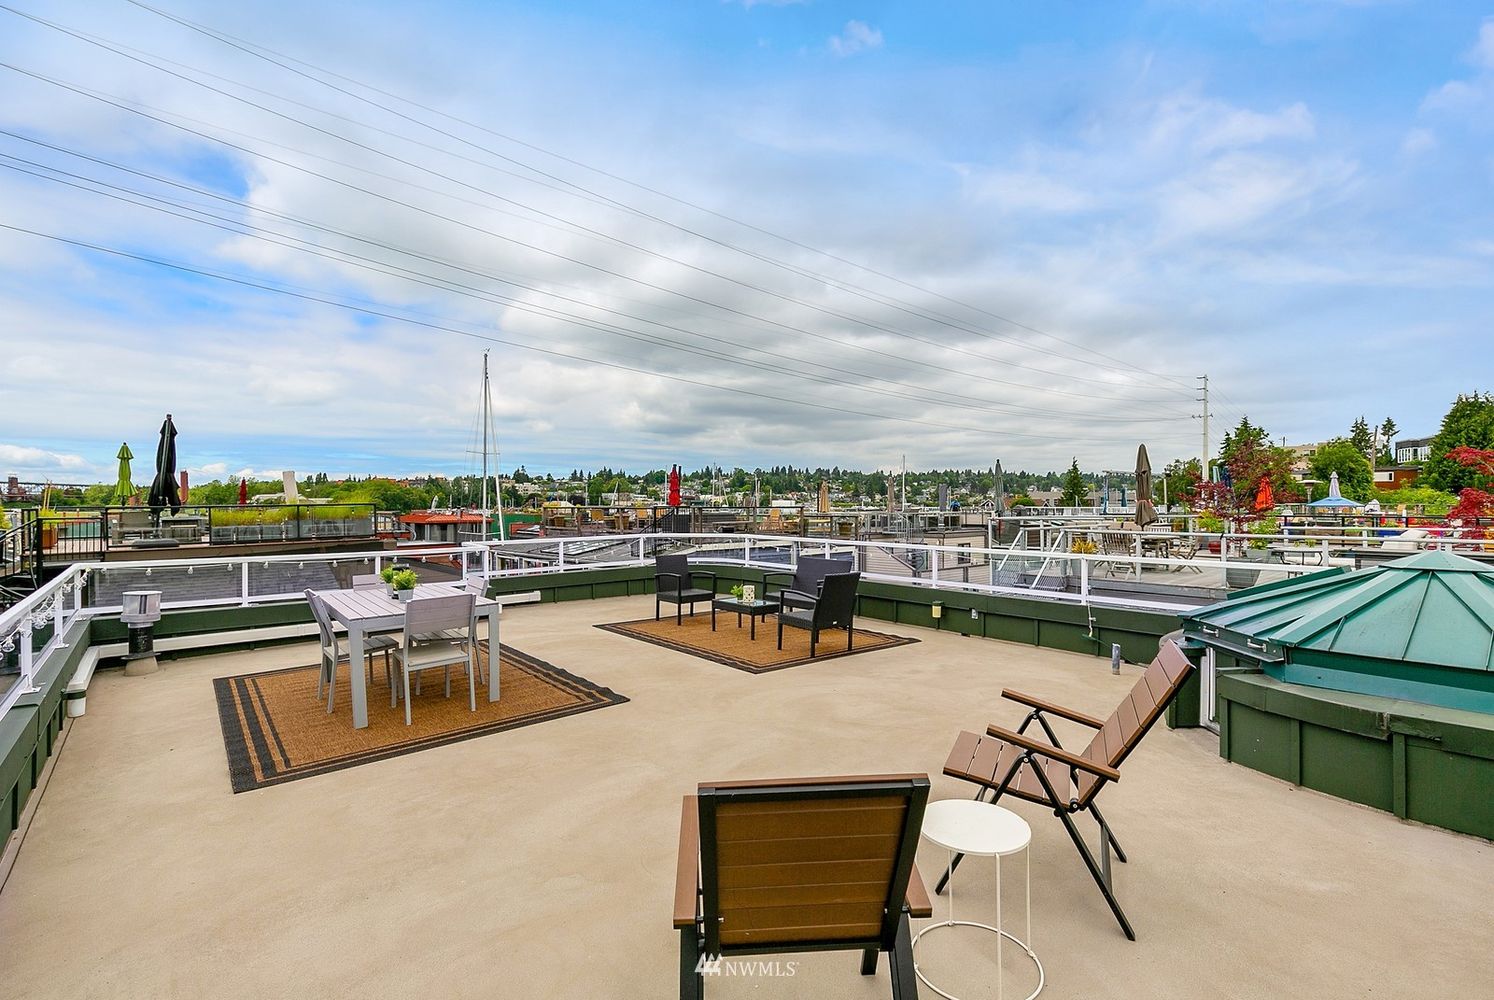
x: 404, y: 579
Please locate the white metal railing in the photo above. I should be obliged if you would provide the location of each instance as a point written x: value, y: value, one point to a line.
x: 249, y: 580
x: 55, y: 604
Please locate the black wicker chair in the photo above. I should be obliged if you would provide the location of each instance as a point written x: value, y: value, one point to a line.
x: 800, y: 588
x: 834, y: 608
x: 675, y: 581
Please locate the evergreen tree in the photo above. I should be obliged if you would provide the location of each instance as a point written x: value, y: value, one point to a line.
x: 1469, y: 424
x: 1075, y: 490
x: 1361, y: 437
x: 1387, y: 442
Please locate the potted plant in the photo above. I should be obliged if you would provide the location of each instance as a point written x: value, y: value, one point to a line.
x: 387, y: 575
x: 736, y: 591
x: 404, y: 581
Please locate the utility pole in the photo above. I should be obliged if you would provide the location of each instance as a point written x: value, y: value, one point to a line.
x: 1204, y: 398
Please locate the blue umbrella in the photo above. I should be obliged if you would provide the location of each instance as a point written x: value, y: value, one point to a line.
x: 1334, y: 497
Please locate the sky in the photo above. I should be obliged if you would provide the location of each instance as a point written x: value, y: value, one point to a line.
x: 746, y: 233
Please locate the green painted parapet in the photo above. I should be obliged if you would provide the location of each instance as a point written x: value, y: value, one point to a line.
x: 30, y: 729
x: 1038, y: 622
x: 1422, y: 762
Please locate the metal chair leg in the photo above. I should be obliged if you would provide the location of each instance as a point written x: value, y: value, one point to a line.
x: 904, y: 975
x: 692, y: 983
x: 406, y: 672
x: 1100, y: 874
x: 869, y: 961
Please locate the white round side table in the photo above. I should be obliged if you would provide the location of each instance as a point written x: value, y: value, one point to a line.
x: 968, y: 826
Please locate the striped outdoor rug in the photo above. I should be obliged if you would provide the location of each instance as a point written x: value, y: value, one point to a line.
x: 275, y: 729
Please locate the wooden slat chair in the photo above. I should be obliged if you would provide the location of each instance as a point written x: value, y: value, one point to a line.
x: 675, y: 581
x: 1013, y: 763
x: 801, y: 864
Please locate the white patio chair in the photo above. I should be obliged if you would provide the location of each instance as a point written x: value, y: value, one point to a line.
x: 367, y: 581
x: 333, y: 654
x: 428, y: 622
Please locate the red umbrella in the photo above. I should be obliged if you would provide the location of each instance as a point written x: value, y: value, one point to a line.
x: 674, y: 486
x: 243, y: 492
x: 1265, y: 499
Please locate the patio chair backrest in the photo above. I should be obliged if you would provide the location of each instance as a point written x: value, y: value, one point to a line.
x: 673, y: 564
x: 810, y: 570
x: 323, y: 620
x: 796, y: 863
x: 837, y: 603
x: 367, y: 581
x: 436, y: 614
x: 1136, y: 714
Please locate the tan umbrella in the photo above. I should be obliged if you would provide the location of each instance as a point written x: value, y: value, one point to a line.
x: 1145, y: 512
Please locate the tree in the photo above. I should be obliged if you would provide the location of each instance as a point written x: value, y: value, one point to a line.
x: 1181, y: 478
x: 1075, y: 489
x: 1244, y: 435
x: 1356, y: 478
x: 1234, y: 497
x: 1387, y: 438
x: 1362, y: 438
x: 1475, y: 502
x: 1469, y: 424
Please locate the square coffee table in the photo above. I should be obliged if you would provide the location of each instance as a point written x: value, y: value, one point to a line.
x: 752, y: 609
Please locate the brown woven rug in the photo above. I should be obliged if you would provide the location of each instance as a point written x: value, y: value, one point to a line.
x: 732, y: 646
x: 275, y: 729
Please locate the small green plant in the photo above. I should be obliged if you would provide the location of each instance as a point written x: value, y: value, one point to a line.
x: 1211, y: 523
x: 387, y: 573
x: 1262, y: 528
x: 404, y: 579
x: 736, y: 591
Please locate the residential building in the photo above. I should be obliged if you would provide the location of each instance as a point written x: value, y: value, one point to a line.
x: 1409, y: 450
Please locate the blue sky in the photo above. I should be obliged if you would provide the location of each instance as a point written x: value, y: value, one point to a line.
x: 807, y: 233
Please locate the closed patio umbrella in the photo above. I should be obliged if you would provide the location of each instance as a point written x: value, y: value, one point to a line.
x: 1145, y: 512
x: 124, y: 489
x: 1265, y: 497
x: 674, y: 486
x: 1000, y: 488
x: 163, y: 489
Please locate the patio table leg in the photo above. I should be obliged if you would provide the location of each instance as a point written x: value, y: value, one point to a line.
x: 355, y: 676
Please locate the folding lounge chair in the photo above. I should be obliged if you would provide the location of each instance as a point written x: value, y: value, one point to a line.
x: 1013, y: 763
x: 801, y: 864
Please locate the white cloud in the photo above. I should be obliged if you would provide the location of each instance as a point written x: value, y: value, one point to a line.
x: 1483, y: 49
x: 1209, y: 126
x: 857, y: 36
x: 1418, y: 141
x: 25, y: 460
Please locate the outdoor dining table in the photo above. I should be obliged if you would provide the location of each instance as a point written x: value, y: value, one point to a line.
x: 365, y: 612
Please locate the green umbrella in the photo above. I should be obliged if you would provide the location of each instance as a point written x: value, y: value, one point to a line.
x: 124, y: 489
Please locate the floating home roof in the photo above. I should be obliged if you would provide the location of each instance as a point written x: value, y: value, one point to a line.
x: 1392, y: 629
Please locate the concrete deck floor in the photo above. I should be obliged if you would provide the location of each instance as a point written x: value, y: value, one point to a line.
x: 540, y: 862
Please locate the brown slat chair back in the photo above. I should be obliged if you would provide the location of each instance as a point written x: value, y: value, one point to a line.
x: 1136, y: 714
x: 798, y: 866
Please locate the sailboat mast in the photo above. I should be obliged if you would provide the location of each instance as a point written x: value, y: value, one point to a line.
x: 484, y: 445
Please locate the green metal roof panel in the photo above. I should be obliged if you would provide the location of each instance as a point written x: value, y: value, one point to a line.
x: 1432, y: 608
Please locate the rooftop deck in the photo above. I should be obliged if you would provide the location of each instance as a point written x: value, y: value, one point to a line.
x: 539, y: 862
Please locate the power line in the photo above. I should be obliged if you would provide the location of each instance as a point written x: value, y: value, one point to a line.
x: 323, y: 299
x: 110, y: 46
x: 903, y: 360
x: 258, y: 51
x: 341, y: 256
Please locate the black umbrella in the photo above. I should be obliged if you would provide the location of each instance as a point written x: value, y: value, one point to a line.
x: 163, y: 491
